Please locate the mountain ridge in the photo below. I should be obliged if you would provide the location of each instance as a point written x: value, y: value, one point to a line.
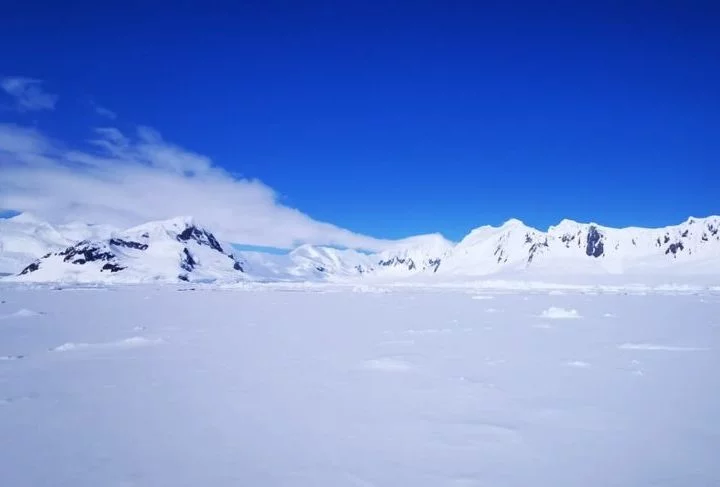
x: 569, y: 247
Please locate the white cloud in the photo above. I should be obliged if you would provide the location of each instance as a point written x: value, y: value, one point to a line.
x: 125, y: 181
x: 103, y: 112
x: 28, y: 93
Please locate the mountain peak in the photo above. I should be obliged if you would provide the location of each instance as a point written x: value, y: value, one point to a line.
x: 512, y: 222
x: 176, y: 224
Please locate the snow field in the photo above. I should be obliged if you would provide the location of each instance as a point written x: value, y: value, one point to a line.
x: 149, y: 386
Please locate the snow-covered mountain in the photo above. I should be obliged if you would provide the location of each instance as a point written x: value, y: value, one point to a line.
x: 569, y: 248
x: 171, y: 250
x: 25, y: 238
x: 307, y: 262
x: 582, y: 248
x: 405, y: 257
x: 423, y: 253
x: 180, y: 249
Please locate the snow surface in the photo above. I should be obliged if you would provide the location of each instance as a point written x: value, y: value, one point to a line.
x: 327, y: 385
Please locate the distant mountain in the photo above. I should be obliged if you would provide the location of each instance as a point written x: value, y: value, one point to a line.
x: 423, y: 253
x: 307, y: 262
x: 692, y: 247
x: 24, y: 238
x: 180, y: 249
x: 572, y: 247
x: 171, y: 250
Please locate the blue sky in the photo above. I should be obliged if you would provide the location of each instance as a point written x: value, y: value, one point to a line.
x: 391, y: 121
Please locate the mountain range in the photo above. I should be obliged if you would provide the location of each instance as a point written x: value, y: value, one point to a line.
x: 181, y: 249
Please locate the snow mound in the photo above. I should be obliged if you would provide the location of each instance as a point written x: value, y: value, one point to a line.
x: 560, y: 313
x: 579, y: 364
x: 23, y: 313
x: 133, y: 342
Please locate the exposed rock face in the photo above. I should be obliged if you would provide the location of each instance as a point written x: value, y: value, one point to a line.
x: 594, y: 246
x: 86, y: 252
x: 675, y: 248
x: 186, y: 261
x: 203, y: 237
x: 434, y: 264
x: 536, y: 248
x: 397, y: 261
x: 118, y: 242
x: 31, y: 268
x: 112, y: 267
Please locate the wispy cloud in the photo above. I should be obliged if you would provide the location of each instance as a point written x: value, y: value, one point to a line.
x: 28, y: 93
x: 103, y: 112
x: 126, y: 180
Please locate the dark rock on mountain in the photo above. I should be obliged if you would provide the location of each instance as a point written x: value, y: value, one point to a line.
x: 594, y: 246
x: 536, y: 248
x: 200, y: 236
x: 398, y: 261
x: 111, y: 267
x: 31, y: 268
x: 186, y: 261
x: 118, y: 242
x: 85, y: 252
x: 675, y: 248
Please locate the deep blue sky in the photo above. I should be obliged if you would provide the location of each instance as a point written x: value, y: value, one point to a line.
x: 409, y: 118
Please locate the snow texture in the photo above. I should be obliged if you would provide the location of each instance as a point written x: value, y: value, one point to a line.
x: 324, y: 385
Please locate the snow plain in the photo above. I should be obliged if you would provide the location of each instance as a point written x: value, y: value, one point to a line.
x: 270, y: 385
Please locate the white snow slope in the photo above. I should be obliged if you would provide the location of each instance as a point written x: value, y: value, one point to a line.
x: 160, y: 385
